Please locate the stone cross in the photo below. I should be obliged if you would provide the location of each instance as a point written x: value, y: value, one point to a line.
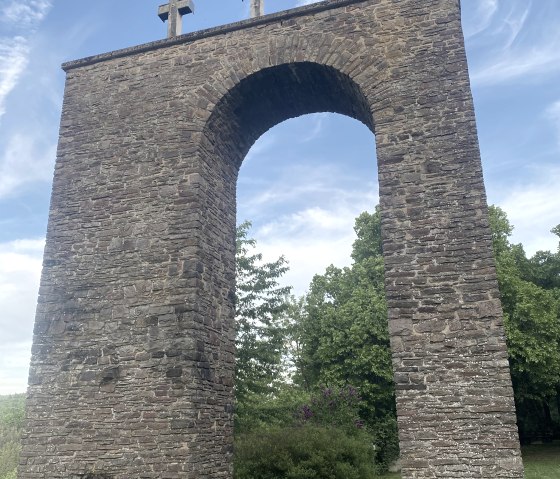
x: 173, y: 13
x: 257, y: 8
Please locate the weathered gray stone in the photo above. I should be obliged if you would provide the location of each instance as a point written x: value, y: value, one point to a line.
x: 133, y: 356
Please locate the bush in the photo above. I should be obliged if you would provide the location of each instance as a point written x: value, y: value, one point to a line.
x: 336, y: 407
x: 340, y: 407
x: 259, y: 411
x: 305, y: 452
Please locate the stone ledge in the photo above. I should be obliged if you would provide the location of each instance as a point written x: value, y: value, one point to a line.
x: 210, y: 32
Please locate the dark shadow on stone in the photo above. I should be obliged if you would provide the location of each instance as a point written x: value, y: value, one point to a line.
x: 266, y: 98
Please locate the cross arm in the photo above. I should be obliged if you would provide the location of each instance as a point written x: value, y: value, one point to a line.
x: 184, y: 7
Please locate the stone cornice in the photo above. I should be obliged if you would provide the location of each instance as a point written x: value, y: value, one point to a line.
x: 210, y: 32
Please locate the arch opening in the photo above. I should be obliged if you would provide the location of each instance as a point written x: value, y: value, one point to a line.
x: 291, y: 166
x: 302, y: 185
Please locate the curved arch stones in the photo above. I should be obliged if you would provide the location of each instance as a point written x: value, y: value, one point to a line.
x: 132, y: 367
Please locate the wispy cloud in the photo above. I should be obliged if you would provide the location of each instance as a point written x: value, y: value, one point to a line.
x: 515, y: 23
x: 533, y: 62
x: 20, y: 18
x: 13, y: 60
x: 482, y: 16
x: 316, y: 128
x: 510, y: 47
x: 303, y: 184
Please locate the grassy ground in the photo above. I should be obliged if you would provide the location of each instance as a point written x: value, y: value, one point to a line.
x: 541, y: 461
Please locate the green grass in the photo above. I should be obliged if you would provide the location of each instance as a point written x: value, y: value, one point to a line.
x: 542, y: 461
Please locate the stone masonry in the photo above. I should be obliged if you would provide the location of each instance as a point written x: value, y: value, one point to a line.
x: 133, y: 355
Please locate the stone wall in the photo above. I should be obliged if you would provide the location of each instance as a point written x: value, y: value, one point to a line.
x: 133, y: 355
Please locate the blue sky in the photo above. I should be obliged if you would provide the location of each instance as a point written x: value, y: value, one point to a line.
x: 305, y: 180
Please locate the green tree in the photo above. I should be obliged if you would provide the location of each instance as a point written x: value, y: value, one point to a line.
x: 531, y: 307
x: 12, y: 411
x: 260, y: 304
x: 545, y: 267
x: 344, y: 334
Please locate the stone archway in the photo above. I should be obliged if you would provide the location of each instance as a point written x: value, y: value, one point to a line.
x: 132, y: 367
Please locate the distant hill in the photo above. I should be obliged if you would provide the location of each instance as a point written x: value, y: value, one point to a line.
x: 12, y: 412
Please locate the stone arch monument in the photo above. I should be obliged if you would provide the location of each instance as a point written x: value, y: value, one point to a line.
x: 132, y: 366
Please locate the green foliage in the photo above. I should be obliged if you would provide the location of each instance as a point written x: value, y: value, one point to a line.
x: 12, y: 410
x: 531, y: 305
x: 259, y: 303
x: 12, y: 413
x: 337, y: 335
x: 545, y: 267
x: 368, y: 236
x: 338, y: 407
x: 533, y: 331
x: 343, y: 408
x: 308, y: 452
x: 266, y: 411
x: 343, y: 336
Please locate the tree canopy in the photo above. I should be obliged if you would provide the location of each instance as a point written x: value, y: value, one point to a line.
x: 530, y: 290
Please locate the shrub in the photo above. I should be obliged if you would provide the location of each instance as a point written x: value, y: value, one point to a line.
x: 340, y: 407
x: 305, y: 452
x: 258, y: 411
x: 336, y: 407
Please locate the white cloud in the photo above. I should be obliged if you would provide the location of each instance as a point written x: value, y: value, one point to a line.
x: 14, y: 367
x: 13, y: 60
x: 533, y: 209
x: 533, y: 62
x: 20, y: 270
x: 25, y: 159
x: 313, y: 238
x: 514, y: 24
x: 316, y: 127
x: 482, y: 17
x: 512, y: 49
x: 21, y: 17
x: 24, y: 14
x: 307, y: 185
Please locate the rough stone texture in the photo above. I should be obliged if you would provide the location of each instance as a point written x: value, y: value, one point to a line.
x: 132, y: 367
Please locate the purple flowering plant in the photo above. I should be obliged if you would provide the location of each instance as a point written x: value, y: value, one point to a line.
x: 333, y: 406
